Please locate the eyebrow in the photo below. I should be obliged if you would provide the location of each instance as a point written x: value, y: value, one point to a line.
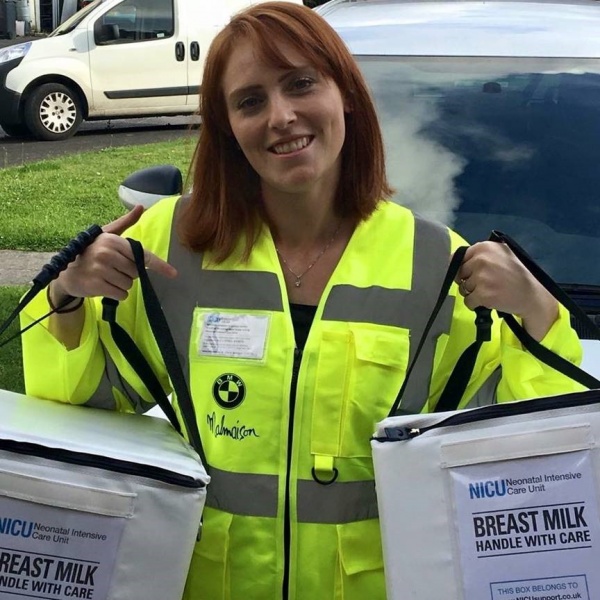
x: 241, y: 92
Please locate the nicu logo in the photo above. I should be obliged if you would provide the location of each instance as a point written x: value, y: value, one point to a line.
x: 229, y: 391
x: 487, y: 489
x: 15, y: 527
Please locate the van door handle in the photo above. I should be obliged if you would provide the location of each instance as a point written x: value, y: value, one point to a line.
x: 195, y: 50
x: 179, y: 51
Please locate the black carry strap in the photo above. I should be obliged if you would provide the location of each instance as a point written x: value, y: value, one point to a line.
x: 459, y: 379
x: 166, y: 345
x: 58, y: 263
x: 534, y: 347
x: 137, y: 360
x: 461, y: 374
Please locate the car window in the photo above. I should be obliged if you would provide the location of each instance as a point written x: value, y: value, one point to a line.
x: 135, y: 21
x: 499, y: 143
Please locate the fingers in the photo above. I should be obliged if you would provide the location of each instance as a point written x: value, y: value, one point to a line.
x: 118, y: 226
x: 491, y: 276
x: 107, y: 267
x: 158, y: 265
x: 463, y: 288
x: 473, y: 255
x: 152, y: 262
x: 117, y: 281
x: 116, y: 268
x: 479, y: 275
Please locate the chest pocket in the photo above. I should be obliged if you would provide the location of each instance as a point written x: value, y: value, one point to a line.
x: 358, y: 374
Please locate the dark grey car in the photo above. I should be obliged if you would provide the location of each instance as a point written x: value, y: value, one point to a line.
x: 491, y: 114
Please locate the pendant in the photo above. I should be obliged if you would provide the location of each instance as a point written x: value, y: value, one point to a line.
x: 297, y: 282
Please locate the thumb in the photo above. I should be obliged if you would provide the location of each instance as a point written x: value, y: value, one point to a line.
x: 158, y: 265
x: 118, y: 226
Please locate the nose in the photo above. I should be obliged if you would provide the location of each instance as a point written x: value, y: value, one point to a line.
x: 281, y: 111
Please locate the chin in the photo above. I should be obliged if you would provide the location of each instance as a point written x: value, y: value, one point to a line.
x: 299, y: 182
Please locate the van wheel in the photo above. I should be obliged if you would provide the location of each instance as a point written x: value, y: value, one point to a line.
x: 18, y: 130
x: 53, y: 112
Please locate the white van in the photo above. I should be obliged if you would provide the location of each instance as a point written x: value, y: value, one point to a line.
x: 112, y: 59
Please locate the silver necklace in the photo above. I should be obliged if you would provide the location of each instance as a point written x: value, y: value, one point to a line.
x: 299, y: 276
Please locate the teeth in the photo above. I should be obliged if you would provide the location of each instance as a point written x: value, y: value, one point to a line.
x: 291, y: 146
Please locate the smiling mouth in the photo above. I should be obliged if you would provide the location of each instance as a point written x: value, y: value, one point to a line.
x: 293, y: 146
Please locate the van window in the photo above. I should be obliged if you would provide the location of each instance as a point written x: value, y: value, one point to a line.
x: 73, y: 21
x: 135, y: 21
x: 511, y: 144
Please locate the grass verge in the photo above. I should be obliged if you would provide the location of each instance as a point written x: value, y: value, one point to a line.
x: 44, y: 204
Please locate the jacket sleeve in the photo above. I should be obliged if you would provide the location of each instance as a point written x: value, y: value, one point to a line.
x: 95, y: 373
x: 524, y: 376
x: 504, y: 370
x: 50, y: 370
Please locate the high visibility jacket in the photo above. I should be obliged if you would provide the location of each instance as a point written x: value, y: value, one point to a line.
x: 272, y: 421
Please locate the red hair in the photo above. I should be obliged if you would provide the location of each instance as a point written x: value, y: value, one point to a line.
x: 225, y: 199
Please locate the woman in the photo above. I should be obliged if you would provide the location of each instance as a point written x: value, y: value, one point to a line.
x: 294, y: 290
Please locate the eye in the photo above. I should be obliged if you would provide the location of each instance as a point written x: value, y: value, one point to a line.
x: 302, y: 83
x: 248, y: 103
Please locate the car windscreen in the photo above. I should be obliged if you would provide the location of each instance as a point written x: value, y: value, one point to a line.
x: 499, y: 143
x: 73, y: 21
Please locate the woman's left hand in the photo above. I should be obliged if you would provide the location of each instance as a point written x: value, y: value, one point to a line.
x: 492, y: 276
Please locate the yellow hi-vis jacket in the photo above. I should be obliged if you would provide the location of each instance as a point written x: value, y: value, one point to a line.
x: 270, y: 529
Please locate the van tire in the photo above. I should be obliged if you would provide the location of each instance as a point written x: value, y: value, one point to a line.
x: 53, y: 112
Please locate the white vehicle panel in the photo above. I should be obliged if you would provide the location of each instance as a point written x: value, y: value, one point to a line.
x: 67, y: 57
x: 467, y: 28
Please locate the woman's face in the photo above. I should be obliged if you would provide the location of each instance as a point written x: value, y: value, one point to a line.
x: 289, y: 123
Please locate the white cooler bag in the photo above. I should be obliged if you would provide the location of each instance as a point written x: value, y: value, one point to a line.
x: 94, y: 504
x: 494, y: 503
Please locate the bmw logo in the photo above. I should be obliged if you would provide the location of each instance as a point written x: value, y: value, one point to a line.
x: 229, y: 391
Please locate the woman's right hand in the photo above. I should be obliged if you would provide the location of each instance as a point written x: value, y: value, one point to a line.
x: 106, y: 267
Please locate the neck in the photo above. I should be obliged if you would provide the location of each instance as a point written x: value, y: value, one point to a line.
x: 300, y: 222
x: 299, y: 234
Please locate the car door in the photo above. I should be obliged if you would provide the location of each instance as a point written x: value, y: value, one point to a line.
x: 206, y: 18
x: 138, y: 59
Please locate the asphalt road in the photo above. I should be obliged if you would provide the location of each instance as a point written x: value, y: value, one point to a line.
x: 96, y: 135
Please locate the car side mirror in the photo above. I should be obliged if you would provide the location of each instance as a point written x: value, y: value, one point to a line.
x: 148, y: 186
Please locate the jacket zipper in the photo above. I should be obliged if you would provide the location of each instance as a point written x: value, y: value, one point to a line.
x: 287, y: 533
x: 485, y: 413
x: 101, y: 462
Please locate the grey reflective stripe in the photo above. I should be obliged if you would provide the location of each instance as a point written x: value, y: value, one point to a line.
x: 339, y: 502
x: 256, y: 496
x: 222, y: 288
x: 103, y: 396
x: 243, y: 493
x: 409, y: 309
x: 487, y: 393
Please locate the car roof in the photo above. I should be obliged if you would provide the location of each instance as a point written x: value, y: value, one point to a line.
x: 538, y: 28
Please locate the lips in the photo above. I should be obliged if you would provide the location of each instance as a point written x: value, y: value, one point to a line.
x: 291, y: 146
